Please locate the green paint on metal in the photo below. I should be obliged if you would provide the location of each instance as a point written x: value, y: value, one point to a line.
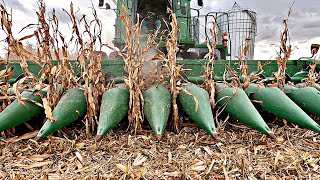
x: 200, y: 80
x: 300, y: 85
x: 239, y: 105
x: 297, y: 79
x: 195, y: 67
x: 71, y: 106
x: 299, y: 76
x: 288, y: 89
x: 16, y: 114
x: 308, y: 98
x: 251, y: 89
x: 203, y: 115
x: 117, y: 80
x: 114, y: 107
x: 272, y: 99
x: 157, y: 106
x: 196, y: 80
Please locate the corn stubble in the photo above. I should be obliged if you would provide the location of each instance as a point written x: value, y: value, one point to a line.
x: 240, y: 154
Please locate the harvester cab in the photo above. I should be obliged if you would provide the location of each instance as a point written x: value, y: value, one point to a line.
x: 153, y: 15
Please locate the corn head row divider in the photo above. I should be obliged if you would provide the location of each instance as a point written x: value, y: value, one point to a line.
x: 162, y: 68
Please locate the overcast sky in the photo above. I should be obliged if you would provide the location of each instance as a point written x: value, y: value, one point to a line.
x: 304, y: 23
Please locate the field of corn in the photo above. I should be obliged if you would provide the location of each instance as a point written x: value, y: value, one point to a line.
x: 131, y: 151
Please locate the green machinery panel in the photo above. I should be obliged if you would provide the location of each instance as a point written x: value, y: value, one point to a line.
x: 195, y: 67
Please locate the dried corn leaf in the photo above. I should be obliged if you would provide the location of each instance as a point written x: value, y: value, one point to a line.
x: 79, y: 156
x: 123, y: 168
x: 173, y: 174
x: 23, y: 137
x: 140, y: 159
x: 48, y: 110
x: 34, y: 165
x: 41, y: 157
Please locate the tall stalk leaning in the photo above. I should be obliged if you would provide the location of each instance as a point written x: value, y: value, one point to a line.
x: 47, y: 47
x: 174, y: 70
x: 209, y: 68
x: 284, y: 53
x: 134, y: 55
x: 244, y: 67
x: 51, y: 43
x: 90, y: 63
x: 133, y: 64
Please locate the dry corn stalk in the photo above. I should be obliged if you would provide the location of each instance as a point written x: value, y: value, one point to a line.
x: 5, y: 75
x: 243, y: 63
x: 57, y: 78
x: 133, y: 64
x: 313, y: 76
x: 173, y: 68
x: 134, y: 56
x: 209, y: 68
x: 284, y: 53
x: 14, y: 46
x: 90, y: 63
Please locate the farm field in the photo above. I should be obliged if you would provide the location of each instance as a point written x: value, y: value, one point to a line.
x: 237, y: 153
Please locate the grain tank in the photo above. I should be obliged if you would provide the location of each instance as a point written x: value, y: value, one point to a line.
x: 241, y: 25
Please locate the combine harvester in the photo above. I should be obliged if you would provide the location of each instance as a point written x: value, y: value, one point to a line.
x: 291, y: 102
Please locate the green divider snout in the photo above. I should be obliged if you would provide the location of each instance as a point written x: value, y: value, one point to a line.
x: 71, y: 106
x: 201, y: 115
x: 16, y: 114
x: 308, y: 98
x: 272, y: 99
x: 238, y: 104
x: 157, y: 106
x: 114, y: 107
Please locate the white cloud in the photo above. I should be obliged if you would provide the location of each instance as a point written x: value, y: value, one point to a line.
x: 267, y: 49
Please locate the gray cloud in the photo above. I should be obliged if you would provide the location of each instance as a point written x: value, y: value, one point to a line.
x: 303, y: 21
x: 63, y: 17
x: 16, y: 4
x: 303, y: 24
